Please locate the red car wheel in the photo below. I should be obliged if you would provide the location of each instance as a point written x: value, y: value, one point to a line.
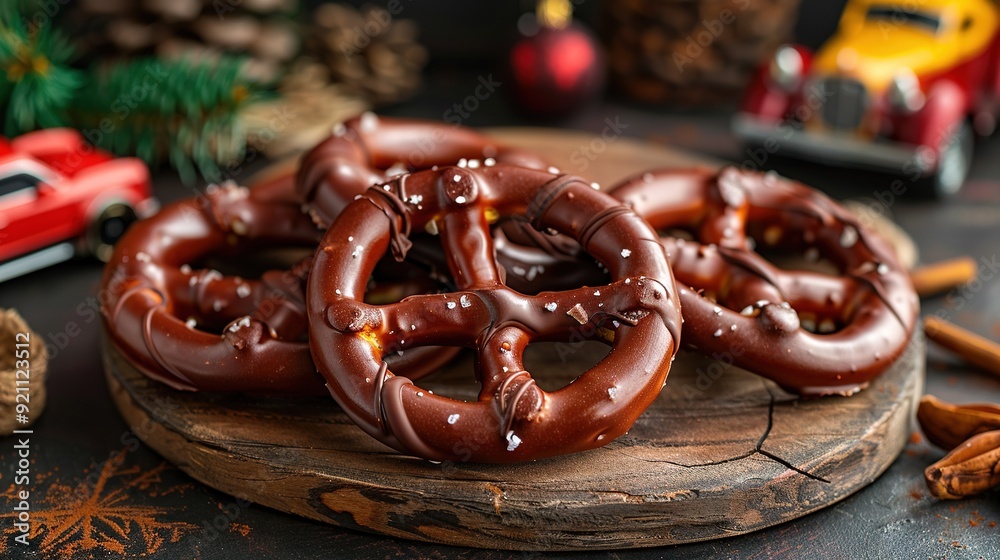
x: 108, y: 228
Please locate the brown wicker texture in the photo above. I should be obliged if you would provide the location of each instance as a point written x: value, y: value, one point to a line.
x: 11, y: 323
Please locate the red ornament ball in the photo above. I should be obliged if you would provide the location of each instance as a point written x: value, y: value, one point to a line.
x: 557, y: 70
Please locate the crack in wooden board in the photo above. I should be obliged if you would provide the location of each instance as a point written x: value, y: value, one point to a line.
x: 649, y: 488
x: 693, y: 467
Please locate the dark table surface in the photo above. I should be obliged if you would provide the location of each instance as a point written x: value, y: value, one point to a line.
x: 102, y: 494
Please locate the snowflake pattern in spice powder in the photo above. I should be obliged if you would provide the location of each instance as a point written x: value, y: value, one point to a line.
x: 99, y: 515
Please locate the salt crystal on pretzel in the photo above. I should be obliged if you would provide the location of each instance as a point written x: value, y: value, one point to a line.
x: 514, y: 420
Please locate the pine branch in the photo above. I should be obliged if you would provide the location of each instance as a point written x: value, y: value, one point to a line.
x: 180, y: 112
x: 36, y: 82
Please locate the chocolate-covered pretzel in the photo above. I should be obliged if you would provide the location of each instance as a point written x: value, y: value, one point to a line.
x: 167, y: 314
x: 812, y: 333
x: 514, y: 419
x: 368, y: 150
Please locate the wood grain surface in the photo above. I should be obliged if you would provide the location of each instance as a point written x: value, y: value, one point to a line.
x: 722, y: 452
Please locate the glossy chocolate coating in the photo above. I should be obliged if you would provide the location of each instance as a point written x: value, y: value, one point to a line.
x: 168, y: 316
x: 368, y: 150
x: 514, y: 420
x: 153, y: 295
x: 812, y: 333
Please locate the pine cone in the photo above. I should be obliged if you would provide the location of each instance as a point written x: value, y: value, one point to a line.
x: 304, y: 112
x: 369, y: 51
x: 263, y: 30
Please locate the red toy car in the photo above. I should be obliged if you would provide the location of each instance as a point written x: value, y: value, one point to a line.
x: 59, y: 195
x: 900, y: 87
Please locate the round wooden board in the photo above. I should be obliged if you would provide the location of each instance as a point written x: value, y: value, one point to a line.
x: 722, y: 452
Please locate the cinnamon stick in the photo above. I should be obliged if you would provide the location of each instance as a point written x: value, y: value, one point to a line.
x: 971, y: 468
x: 934, y: 278
x: 973, y: 348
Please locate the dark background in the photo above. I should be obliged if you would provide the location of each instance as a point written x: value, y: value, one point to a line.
x: 893, y: 518
x: 446, y: 30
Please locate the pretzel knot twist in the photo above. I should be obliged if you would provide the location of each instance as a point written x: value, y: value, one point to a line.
x: 812, y: 333
x: 198, y: 329
x: 370, y: 150
x: 514, y: 419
